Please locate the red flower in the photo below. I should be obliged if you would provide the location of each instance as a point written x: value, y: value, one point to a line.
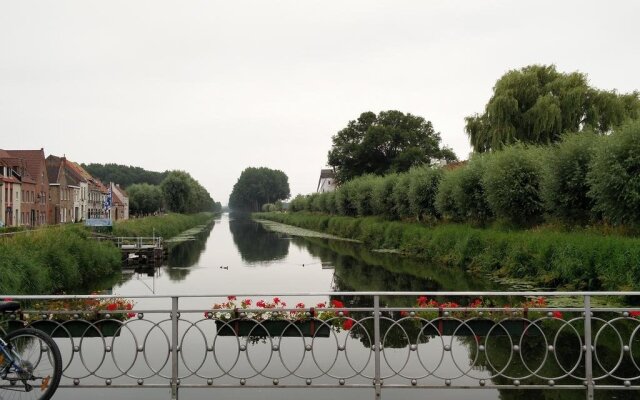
x: 231, y: 297
x: 422, y: 300
x: 283, y: 304
x: 634, y: 314
x: 276, y: 300
x: 404, y: 313
x: 321, y: 305
x: 131, y: 315
x: 347, y: 324
x: 300, y: 305
x: 261, y: 303
x: 557, y: 314
x: 112, y: 306
x: 247, y: 302
x: 337, y: 304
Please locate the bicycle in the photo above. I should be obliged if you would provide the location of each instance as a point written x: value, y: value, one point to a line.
x: 30, y: 362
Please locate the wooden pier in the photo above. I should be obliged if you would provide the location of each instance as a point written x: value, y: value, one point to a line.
x: 139, y: 250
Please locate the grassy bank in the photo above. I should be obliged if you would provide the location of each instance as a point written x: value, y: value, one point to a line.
x: 569, y: 260
x: 166, y: 226
x: 52, y: 260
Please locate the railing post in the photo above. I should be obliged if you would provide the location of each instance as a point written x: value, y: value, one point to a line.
x: 588, y: 355
x: 174, y: 348
x: 376, y: 338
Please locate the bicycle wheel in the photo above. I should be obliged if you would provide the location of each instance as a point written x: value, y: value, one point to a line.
x: 39, y: 366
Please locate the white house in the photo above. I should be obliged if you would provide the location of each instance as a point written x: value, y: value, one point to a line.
x: 327, y: 181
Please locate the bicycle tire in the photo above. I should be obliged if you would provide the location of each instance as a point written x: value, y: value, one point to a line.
x: 40, y: 352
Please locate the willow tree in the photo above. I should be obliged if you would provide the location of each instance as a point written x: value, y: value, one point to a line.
x: 537, y: 104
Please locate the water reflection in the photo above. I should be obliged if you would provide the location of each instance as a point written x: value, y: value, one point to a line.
x: 183, y: 255
x: 358, y: 269
x: 255, y: 243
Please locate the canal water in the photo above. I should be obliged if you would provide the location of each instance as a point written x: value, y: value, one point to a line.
x: 236, y: 255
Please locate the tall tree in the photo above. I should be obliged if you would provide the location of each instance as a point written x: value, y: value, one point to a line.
x: 144, y: 198
x: 123, y: 174
x: 258, y: 186
x: 537, y: 104
x: 184, y: 194
x: 388, y: 142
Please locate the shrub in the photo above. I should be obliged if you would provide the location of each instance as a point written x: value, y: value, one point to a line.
x: 512, y: 184
x: 445, y: 201
x: 469, y: 196
x: 382, y: 196
x: 564, y: 184
x: 423, y: 186
x: 614, y: 177
x: 400, y: 196
x: 363, y: 194
x: 346, y: 199
x: 298, y: 203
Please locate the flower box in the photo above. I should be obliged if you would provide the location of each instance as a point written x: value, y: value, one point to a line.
x: 479, y: 327
x: 72, y: 328
x: 274, y: 328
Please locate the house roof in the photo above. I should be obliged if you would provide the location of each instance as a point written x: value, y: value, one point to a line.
x: 9, y: 160
x: 326, y: 174
x: 34, y: 160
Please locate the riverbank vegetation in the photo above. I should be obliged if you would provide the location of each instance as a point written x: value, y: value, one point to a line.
x: 258, y: 186
x: 54, y: 259
x: 166, y: 226
x: 576, y: 260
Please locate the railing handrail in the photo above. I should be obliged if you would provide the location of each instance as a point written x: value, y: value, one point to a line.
x: 316, y: 294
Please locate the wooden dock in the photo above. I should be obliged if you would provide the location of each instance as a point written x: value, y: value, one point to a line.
x: 139, y: 250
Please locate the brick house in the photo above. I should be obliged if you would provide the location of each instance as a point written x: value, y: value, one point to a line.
x: 60, y: 191
x: 35, y: 184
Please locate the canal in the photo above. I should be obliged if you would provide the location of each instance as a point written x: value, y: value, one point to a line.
x: 235, y: 255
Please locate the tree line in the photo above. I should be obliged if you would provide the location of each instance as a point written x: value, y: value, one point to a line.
x: 581, y: 179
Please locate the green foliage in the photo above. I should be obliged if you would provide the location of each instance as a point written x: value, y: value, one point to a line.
x: 445, y: 201
x: 573, y: 260
x: 537, y: 104
x: 564, y: 184
x: 512, y: 185
x: 183, y: 194
x: 469, y: 196
x: 124, y: 175
x: 52, y: 260
x: 380, y: 144
x: 144, y: 198
x: 423, y: 186
x: 382, y: 196
x: 257, y: 186
x: 299, y: 203
x: 614, y: 177
x: 166, y: 226
x: 400, y: 196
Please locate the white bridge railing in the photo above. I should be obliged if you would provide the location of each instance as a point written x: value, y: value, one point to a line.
x: 383, y: 341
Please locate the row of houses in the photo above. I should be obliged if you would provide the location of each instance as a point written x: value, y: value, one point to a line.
x: 36, y: 191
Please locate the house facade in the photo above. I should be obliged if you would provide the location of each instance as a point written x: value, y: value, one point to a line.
x: 61, y: 203
x: 327, y: 181
x: 18, y: 191
x: 35, y: 184
x: 119, y: 203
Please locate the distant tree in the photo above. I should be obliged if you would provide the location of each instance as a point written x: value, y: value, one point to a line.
x: 124, y: 175
x: 257, y: 186
x: 183, y: 194
x: 144, y: 198
x: 537, y: 104
x: 380, y: 144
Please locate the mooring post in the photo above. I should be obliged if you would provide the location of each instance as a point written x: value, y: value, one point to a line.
x: 376, y: 338
x: 174, y: 348
x: 588, y: 355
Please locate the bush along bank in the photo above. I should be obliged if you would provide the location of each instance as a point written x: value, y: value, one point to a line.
x: 583, y: 180
x: 166, y: 226
x: 54, y: 260
x: 554, y: 259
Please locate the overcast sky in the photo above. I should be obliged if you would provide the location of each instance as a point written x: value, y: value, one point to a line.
x: 213, y: 87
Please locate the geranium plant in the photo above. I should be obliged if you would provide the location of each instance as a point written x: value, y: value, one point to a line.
x: 88, y: 309
x: 454, y: 310
x: 276, y: 310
